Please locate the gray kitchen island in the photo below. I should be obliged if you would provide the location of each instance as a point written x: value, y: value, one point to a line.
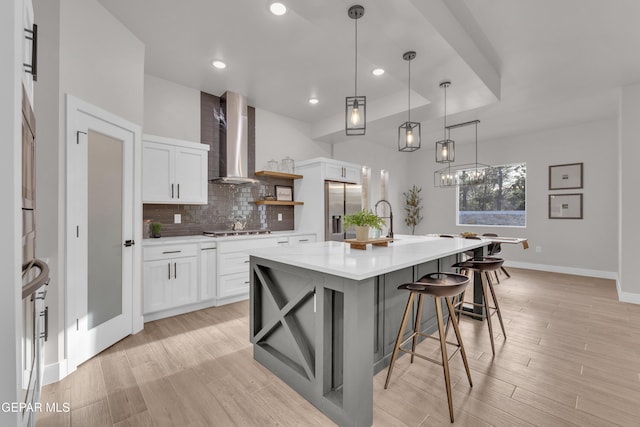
x: 324, y: 317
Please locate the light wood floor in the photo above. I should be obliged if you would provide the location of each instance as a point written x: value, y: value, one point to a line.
x: 572, y: 357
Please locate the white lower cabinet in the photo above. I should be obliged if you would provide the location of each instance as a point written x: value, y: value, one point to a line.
x: 170, y: 277
x: 208, y: 272
x: 233, y: 271
x: 302, y: 239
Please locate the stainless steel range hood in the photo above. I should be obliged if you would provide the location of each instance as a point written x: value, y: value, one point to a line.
x: 234, y: 142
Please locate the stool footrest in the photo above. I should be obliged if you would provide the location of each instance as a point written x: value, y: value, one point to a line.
x: 436, y: 361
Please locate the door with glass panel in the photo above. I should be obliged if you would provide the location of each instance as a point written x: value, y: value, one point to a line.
x: 99, y: 235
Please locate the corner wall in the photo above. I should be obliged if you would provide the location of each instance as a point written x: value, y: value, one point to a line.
x: 587, y: 246
x: 629, y: 178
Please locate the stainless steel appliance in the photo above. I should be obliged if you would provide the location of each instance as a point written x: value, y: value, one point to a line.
x: 340, y: 199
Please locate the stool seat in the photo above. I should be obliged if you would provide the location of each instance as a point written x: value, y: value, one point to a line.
x: 480, y: 264
x: 440, y: 286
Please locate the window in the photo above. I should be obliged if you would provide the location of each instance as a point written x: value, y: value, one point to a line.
x: 500, y: 201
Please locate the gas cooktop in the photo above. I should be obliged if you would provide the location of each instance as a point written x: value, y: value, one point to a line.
x: 223, y: 233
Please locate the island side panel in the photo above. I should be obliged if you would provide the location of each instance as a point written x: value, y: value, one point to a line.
x: 333, y: 369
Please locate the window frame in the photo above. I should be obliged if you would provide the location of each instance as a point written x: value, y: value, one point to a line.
x: 526, y: 202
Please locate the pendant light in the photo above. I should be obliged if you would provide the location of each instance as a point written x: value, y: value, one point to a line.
x: 445, y: 149
x: 356, y: 106
x: 466, y: 174
x: 409, y: 132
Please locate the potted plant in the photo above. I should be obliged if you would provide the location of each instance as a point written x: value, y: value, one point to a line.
x: 155, y: 229
x: 363, y: 221
x: 412, y: 207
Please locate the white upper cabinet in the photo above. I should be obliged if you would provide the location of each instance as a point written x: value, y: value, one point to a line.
x: 174, y: 171
x: 340, y: 171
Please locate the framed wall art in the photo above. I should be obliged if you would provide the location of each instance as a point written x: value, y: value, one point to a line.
x: 565, y: 177
x: 565, y: 206
x: 284, y: 193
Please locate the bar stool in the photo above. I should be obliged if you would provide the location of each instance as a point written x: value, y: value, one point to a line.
x: 484, y: 266
x: 440, y: 286
x: 496, y: 249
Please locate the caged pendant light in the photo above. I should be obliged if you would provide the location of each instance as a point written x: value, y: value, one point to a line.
x: 356, y: 106
x: 445, y: 149
x: 409, y: 132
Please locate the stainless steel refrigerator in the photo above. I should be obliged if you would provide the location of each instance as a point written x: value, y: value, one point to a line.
x: 340, y: 199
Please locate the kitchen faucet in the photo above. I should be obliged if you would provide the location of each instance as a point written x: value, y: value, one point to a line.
x: 390, y: 235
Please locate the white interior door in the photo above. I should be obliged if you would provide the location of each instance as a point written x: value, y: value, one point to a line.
x: 100, y: 234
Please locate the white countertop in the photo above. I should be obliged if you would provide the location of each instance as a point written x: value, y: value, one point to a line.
x: 204, y: 239
x: 338, y: 259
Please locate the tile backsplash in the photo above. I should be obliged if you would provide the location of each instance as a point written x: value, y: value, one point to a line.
x: 227, y: 203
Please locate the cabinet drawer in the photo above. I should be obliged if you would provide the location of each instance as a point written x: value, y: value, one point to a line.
x: 170, y: 251
x: 246, y: 244
x: 234, y: 284
x: 235, y: 262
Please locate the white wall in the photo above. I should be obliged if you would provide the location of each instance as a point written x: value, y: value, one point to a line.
x: 629, y: 177
x: 378, y: 157
x: 10, y: 215
x: 99, y: 61
x: 589, y: 244
x: 171, y: 110
x: 278, y: 137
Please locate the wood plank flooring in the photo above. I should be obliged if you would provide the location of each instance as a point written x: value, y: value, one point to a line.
x: 571, y: 357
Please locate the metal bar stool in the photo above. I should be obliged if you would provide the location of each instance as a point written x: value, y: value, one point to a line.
x: 484, y: 266
x: 440, y: 286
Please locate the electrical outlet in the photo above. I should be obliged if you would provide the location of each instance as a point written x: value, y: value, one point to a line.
x: 538, y: 249
x: 177, y: 218
x: 279, y: 217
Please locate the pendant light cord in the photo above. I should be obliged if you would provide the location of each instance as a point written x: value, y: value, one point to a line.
x: 409, y: 91
x: 445, y: 112
x: 356, y: 58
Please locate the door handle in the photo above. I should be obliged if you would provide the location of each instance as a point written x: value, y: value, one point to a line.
x: 33, y: 67
x: 128, y: 243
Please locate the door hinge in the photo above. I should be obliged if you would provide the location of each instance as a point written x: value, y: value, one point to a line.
x: 128, y: 243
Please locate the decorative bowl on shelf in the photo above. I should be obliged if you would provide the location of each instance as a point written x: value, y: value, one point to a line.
x: 269, y: 197
x: 468, y: 234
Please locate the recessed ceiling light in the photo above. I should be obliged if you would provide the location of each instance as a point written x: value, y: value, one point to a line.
x: 313, y: 101
x: 219, y: 65
x: 377, y: 72
x: 278, y: 8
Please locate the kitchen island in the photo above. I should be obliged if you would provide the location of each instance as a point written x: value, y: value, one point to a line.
x: 324, y: 317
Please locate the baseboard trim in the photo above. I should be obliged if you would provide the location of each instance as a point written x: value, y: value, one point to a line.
x: 623, y: 296
x: 179, y: 310
x: 54, y: 372
x: 601, y: 274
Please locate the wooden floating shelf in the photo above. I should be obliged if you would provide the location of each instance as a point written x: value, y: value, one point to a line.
x: 278, y: 203
x: 278, y: 175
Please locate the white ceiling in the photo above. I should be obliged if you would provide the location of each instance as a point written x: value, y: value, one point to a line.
x: 517, y: 65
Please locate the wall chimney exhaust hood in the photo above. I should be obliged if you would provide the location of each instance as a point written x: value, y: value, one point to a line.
x: 234, y: 142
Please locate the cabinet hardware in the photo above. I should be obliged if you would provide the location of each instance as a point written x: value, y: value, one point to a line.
x: 247, y: 261
x: 178, y: 191
x: 77, y: 231
x: 172, y: 191
x: 45, y: 313
x: 77, y: 324
x: 303, y: 240
x: 128, y: 243
x: 33, y: 67
x: 175, y: 270
x: 169, y: 268
x: 247, y: 282
x: 41, y: 295
x: 208, y: 249
x: 78, y: 132
x: 171, y: 252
